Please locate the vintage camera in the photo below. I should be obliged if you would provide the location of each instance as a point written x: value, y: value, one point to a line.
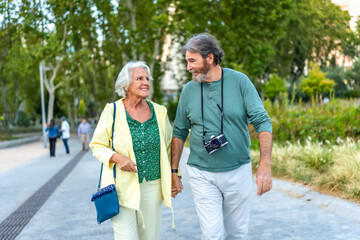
x: 215, y: 143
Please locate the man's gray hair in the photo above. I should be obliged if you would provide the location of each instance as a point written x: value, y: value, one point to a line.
x: 124, y: 78
x: 204, y: 43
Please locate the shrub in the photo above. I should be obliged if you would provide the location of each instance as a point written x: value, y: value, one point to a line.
x: 316, y: 83
x: 323, y: 122
x: 274, y: 87
x: 22, y: 119
x: 352, y: 94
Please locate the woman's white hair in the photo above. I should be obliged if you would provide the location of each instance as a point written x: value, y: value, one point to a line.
x: 124, y: 78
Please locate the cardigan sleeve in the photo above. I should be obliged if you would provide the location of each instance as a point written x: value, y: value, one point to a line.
x: 100, y: 143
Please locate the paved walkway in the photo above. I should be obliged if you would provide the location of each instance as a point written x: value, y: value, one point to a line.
x: 289, y: 211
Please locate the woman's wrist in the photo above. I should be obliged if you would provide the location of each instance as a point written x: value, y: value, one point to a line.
x: 114, y: 159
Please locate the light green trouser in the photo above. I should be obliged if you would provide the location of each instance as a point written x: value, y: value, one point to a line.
x: 130, y: 225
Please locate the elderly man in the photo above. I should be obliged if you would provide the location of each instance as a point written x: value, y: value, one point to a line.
x: 217, y: 106
x: 84, y: 132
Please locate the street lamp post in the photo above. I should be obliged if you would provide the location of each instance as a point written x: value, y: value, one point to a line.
x: 42, y: 69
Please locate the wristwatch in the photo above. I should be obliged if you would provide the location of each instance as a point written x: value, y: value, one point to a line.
x: 174, y: 171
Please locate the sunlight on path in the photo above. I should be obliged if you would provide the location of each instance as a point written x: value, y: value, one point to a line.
x: 15, y: 156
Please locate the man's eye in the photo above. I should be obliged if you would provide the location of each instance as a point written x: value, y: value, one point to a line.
x: 147, y: 79
x: 139, y: 78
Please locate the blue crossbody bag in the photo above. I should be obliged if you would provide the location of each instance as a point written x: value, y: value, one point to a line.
x: 106, y: 199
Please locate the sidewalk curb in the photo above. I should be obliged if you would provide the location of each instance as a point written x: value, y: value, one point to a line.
x: 16, y: 142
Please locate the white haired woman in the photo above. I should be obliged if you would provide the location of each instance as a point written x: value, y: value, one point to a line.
x: 142, y: 139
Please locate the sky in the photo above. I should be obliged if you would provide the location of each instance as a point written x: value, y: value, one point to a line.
x: 353, y: 7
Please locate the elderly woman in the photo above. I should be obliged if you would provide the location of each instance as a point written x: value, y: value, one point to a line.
x: 142, y: 137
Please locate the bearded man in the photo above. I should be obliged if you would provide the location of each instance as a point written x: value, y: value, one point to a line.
x: 217, y: 106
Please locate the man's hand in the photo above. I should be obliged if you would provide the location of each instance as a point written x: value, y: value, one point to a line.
x: 263, y: 179
x: 176, y: 185
x: 263, y: 173
x: 124, y: 163
x: 177, y: 146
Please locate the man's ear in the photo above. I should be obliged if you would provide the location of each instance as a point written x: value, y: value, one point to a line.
x: 210, y: 58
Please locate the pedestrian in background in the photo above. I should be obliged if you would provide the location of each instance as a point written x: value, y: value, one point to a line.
x: 65, y: 133
x: 54, y: 132
x: 84, y: 132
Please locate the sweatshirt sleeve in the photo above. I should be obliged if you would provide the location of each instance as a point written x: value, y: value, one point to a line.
x: 256, y: 112
x: 182, y: 123
x: 100, y: 143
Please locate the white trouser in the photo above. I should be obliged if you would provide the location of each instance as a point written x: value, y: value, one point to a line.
x: 222, y: 201
x: 128, y: 224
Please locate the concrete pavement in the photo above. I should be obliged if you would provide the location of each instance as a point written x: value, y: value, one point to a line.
x: 289, y: 211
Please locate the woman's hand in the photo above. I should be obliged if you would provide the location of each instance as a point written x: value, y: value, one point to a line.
x: 124, y: 163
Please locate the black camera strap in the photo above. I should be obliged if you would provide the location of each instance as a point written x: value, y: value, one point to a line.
x: 221, y: 108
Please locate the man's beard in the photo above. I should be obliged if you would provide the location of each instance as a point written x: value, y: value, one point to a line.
x: 202, y: 73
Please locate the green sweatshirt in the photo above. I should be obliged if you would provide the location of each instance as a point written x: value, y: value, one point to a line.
x: 242, y: 105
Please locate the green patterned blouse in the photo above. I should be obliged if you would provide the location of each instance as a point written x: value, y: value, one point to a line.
x: 146, y: 145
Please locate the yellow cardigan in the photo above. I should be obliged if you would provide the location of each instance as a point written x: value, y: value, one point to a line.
x: 127, y: 183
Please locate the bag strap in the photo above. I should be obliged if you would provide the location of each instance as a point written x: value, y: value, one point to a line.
x: 112, y: 146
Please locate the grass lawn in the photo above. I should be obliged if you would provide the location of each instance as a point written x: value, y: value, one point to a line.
x: 330, y: 168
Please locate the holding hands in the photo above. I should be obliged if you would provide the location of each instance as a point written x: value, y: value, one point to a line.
x: 176, y: 185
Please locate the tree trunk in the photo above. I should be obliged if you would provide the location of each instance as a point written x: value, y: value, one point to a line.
x: 70, y: 116
x: 133, y: 26
x: 6, y: 106
x: 155, y: 55
x: 50, y: 113
x: 51, y: 89
x: 95, y: 77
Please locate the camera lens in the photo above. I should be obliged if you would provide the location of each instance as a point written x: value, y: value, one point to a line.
x: 215, y: 143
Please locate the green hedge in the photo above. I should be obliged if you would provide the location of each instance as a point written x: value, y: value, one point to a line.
x: 322, y: 122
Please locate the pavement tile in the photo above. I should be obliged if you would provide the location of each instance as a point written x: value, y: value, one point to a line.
x: 290, y: 211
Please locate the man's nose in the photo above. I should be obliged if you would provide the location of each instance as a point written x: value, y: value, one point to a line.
x: 189, y: 66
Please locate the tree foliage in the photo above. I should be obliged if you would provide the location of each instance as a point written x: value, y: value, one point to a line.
x: 85, y: 43
x: 316, y: 83
x: 353, y: 76
x: 274, y: 87
x: 314, y: 28
x: 247, y: 30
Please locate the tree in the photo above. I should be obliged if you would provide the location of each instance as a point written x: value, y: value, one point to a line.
x: 50, y: 84
x: 314, y: 28
x: 337, y: 73
x: 8, y: 38
x: 316, y: 83
x: 353, y: 76
x: 133, y: 30
x: 274, y: 87
x: 247, y: 30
